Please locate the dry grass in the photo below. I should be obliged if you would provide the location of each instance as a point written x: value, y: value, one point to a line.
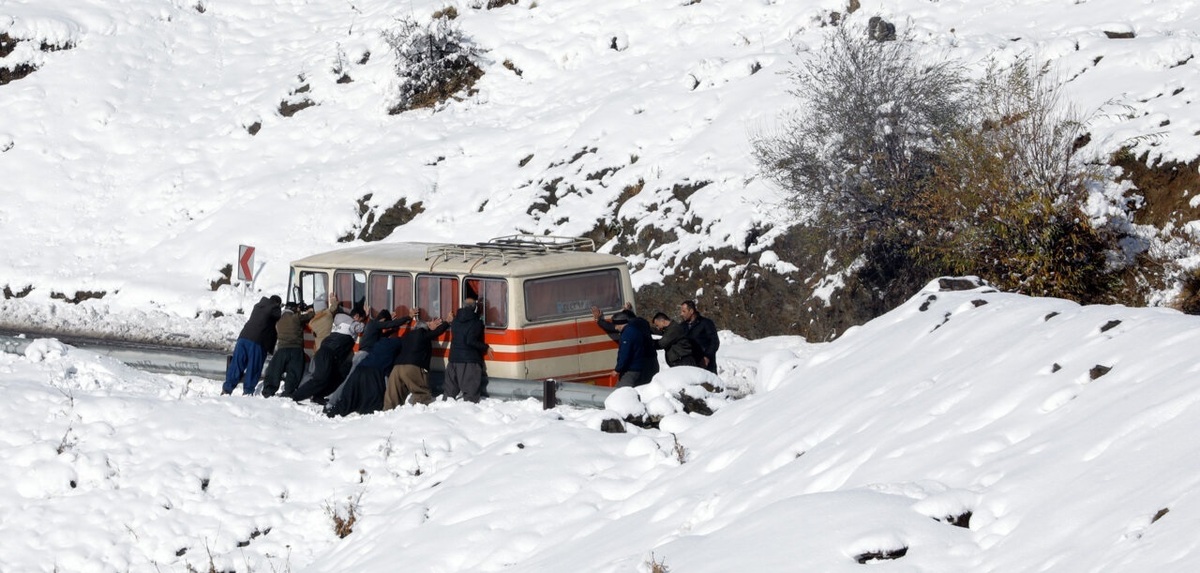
x: 658, y: 565
x: 343, y: 522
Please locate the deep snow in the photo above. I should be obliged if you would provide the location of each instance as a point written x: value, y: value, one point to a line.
x: 975, y: 402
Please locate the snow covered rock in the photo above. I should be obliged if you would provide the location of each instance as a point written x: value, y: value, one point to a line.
x: 673, y: 397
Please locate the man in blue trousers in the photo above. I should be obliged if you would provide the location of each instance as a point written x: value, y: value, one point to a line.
x: 256, y: 340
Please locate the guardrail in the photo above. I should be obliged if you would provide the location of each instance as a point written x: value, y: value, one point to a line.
x: 211, y: 364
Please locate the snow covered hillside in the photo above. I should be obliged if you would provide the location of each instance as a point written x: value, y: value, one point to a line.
x: 964, y: 431
x: 146, y: 144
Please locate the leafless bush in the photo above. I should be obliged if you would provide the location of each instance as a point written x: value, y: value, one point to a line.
x: 434, y: 61
x: 867, y: 132
x: 905, y: 170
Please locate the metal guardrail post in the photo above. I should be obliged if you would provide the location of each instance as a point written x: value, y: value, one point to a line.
x: 549, y: 398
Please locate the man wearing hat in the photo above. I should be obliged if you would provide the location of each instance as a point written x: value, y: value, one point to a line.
x: 637, y: 355
x: 287, y: 364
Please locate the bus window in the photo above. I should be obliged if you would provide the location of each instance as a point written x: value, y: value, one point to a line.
x: 351, y: 289
x: 391, y: 292
x: 310, y: 288
x: 574, y: 295
x: 494, y: 295
x: 437, y: 296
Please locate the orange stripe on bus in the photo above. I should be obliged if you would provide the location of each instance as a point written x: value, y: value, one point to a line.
x: 549, y: 352
x: 548, y: 333
x: 523, y: 355
x: 538, y: 334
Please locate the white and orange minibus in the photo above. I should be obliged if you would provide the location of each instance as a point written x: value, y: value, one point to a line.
x: 537, y: 293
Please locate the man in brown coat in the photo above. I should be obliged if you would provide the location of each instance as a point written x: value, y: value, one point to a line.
x: 322, y: 321
x: 287, y: 363
x: 409, y: 379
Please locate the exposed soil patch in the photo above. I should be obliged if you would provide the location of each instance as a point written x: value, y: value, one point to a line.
x: 80, y: 296
x: 7, y: 44
x: 376, y: 228
x: 609, y: 227
x: 296, y: 101
x: 9, y: 293
x: 881, y: 555
x: 225, y: 278
x: 17, y: 70
x: 1167, y: 188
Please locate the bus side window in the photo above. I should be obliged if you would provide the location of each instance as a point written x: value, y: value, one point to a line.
x: 494, y: 295
x: 391, y: 292
x: 437, y: 296
x: 351, y: 289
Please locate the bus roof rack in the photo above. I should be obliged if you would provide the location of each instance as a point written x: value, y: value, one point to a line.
x: 509, y: 248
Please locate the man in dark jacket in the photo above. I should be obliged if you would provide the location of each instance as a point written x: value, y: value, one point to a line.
x: 637, y: 355
x: 409, y: 379
x: 326, y: 374
x: 363, y: 390
x: 373, y: 330
x: 465, y: 368
x: 674, y: 343
x: 255, y: 341
x: 287, y: 363
x: 703, y: 332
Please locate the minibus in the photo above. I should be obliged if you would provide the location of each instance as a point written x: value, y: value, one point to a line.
x: 536, y: 291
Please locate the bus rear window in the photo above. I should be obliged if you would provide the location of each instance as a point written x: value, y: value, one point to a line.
x: 569, y: 296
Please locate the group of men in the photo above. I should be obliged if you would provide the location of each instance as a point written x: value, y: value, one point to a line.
x: 391, y: 365
x: 692, y: 341
x: 389, y: 368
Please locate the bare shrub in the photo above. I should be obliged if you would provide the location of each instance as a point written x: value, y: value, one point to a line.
x: 866, y: 133
x: 853, y: 157
x: 902, y: 170
x: 434, y: 61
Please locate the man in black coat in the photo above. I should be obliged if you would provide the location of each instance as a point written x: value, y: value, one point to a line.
x: 373, y: 330
x: 256, y: 340
x: 409, y: 379
x: 465, y: 369
x: 326, y: 374
x: 675, y: 344
x: 703, y: 333
x: 363, y: 390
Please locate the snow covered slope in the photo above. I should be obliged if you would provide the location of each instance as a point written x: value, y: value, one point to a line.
x: 130, y: 169
x: 1058, y: 438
